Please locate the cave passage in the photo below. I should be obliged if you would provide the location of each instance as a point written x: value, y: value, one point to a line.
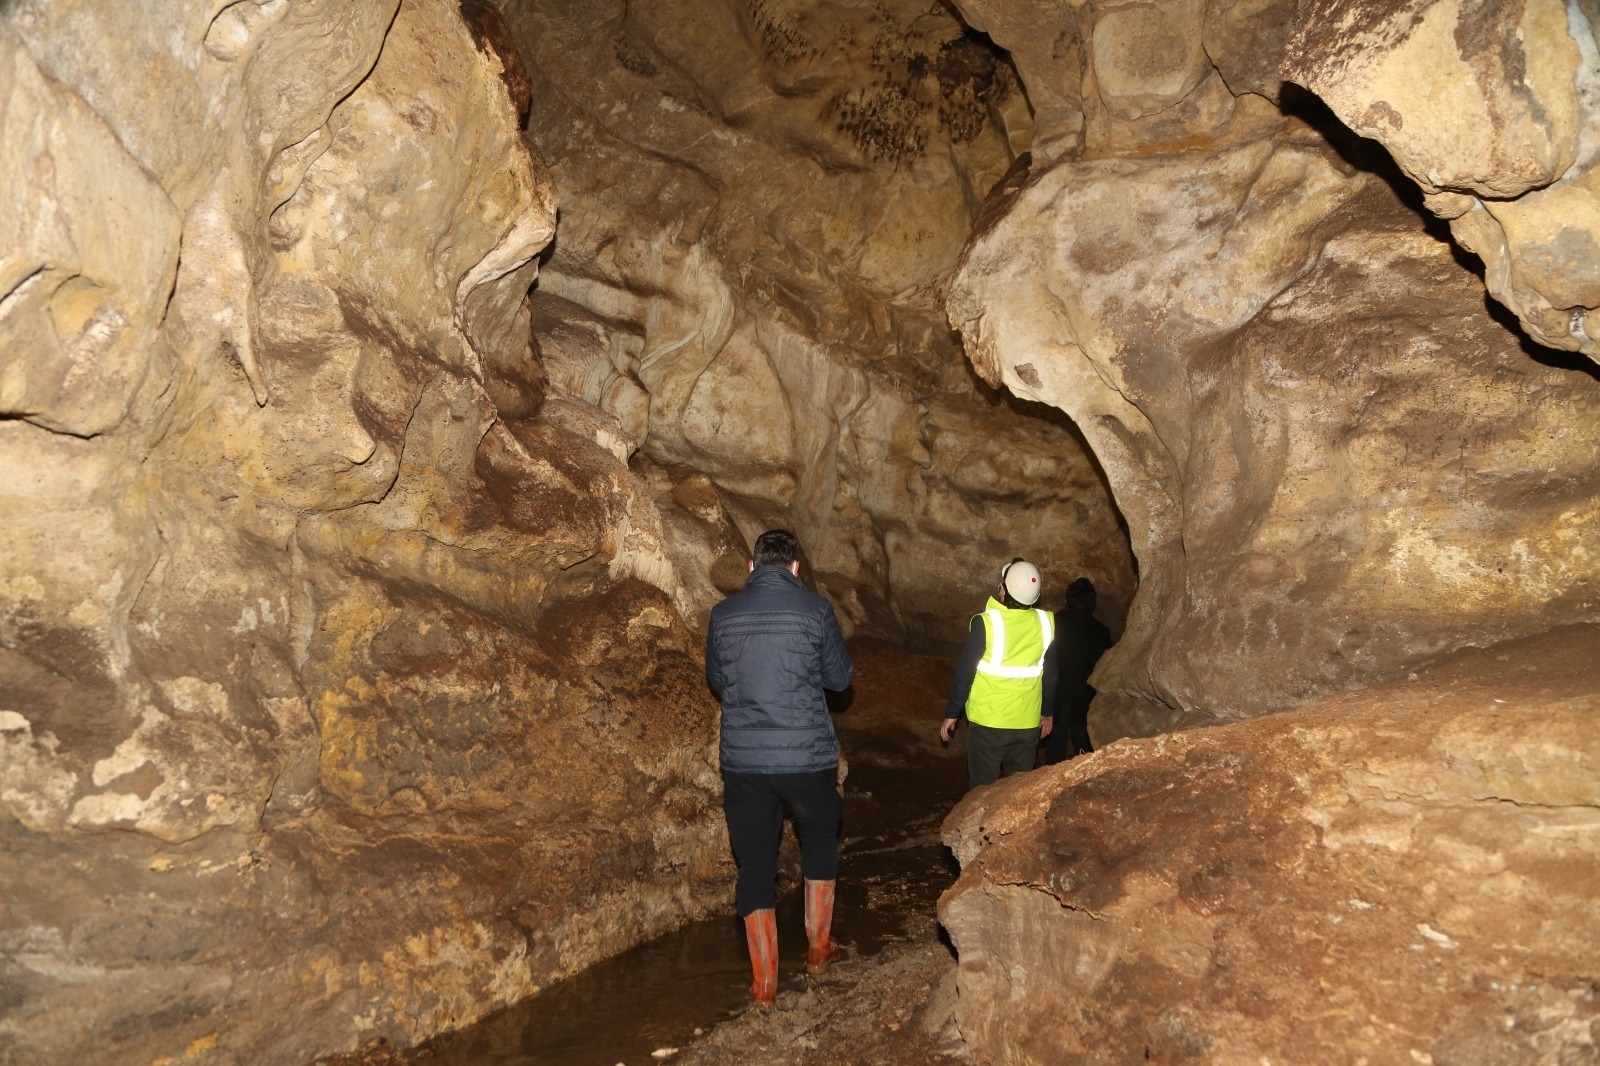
x: 390, y: 388
x: 665, y: 993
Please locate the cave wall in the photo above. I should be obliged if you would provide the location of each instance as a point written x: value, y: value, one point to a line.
x: 1357, y: 454
x: 1508, y: 152
x: 1336, y: 458
x: 343, y: 693
x: 345, y: 632
x: 774, y: 195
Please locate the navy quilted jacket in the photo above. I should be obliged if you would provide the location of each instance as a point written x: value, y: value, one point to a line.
x: 770, y: 652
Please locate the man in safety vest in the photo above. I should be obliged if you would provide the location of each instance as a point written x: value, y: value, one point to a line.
x: 1006, y: 680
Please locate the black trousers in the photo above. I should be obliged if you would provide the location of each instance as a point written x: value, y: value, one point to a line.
x: 754, y: 805
x: 995, y: 753
x: 1070, y: 738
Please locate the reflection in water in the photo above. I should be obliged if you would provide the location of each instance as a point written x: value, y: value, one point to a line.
x: 901, y: 785
x: 658, y: 994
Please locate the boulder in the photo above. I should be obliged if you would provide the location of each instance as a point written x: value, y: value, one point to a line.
x: 1400, y: 874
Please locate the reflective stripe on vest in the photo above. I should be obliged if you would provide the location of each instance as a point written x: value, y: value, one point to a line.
x: 995, y: 662
x: 1007, y: 694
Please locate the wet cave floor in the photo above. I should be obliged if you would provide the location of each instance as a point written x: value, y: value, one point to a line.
x: 682, y: 998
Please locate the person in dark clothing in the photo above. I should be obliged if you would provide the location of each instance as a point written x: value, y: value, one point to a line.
x: 1006, y: 679
x: 771, y: 651
x: 1083, y: 639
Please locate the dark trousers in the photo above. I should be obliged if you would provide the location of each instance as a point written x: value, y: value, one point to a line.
x: 1070, y: 737
x: 996, y: 753
x: 754, y: 805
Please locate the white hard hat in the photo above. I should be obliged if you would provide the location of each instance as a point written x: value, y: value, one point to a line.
x: 1021, y: 581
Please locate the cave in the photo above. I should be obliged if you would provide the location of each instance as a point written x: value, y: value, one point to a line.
x: 390, y: 389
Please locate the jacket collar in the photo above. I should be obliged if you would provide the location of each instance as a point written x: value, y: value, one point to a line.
x: 767, y: 576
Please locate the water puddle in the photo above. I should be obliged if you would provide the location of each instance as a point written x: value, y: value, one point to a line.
x: 659, y: 994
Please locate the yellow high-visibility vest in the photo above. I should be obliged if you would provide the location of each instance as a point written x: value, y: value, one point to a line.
x: 1009, y: 685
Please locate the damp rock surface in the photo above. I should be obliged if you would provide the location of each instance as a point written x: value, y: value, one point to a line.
x: 1405, y: 872
x: 889, y: 998
x: 1401, y: 874
x: 342, y: 694
x: 896, y: 1009
x: 1336, y: 458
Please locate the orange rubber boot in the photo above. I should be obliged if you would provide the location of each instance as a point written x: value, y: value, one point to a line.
x: 761, y: 933
x: 819, y: 927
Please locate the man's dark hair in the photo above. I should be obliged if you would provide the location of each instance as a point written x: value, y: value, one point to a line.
x: 1081, y: 595
x: 775, y: 547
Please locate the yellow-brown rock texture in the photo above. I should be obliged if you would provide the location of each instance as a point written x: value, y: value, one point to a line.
x: 1336, y: 462
x: 1494, y: 111
x: 774, y: 196
x: 1401, y: 874
x: 388, y: 389
x: 341, y: 694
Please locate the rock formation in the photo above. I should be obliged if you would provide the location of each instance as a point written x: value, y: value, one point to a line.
x: 1335, y: 461
x: 350, y: 680
x: 340, y: 693
x: 1338, y: 464
x: 1401, y: 874
x: 773, y: 196
x: 1508, y: 151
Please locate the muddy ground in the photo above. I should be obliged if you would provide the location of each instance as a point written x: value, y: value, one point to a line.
x: 894, y: 1009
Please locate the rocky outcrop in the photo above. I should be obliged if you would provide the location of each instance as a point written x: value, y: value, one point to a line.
x: 773, y: 198
x: 1339, y: 465
x: 1494, y: 111
x: 1335, y: 462
x: 343, y: 690
x: 1401, y: 874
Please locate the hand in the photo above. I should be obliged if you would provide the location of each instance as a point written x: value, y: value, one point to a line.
x: 948, y: 730
x: 1045, y: 725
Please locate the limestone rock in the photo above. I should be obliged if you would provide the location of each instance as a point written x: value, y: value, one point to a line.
x: 1246, y: 40
x: 774, y: 198
x: 1049, y: 64
x: 1160, y: 278
x: 1146, y: 59
x: 1401, y: 873
x: 1481, y: 100
x: 334, y: 677
x: 1337, y: 465
x: 1498, y: 106
x: 1113, y: 77
x: 91, y: 248
x: 1251, y: 341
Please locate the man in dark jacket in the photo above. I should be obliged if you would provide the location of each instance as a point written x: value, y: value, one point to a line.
x: 1083, y: 639
x: 771, y: 650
